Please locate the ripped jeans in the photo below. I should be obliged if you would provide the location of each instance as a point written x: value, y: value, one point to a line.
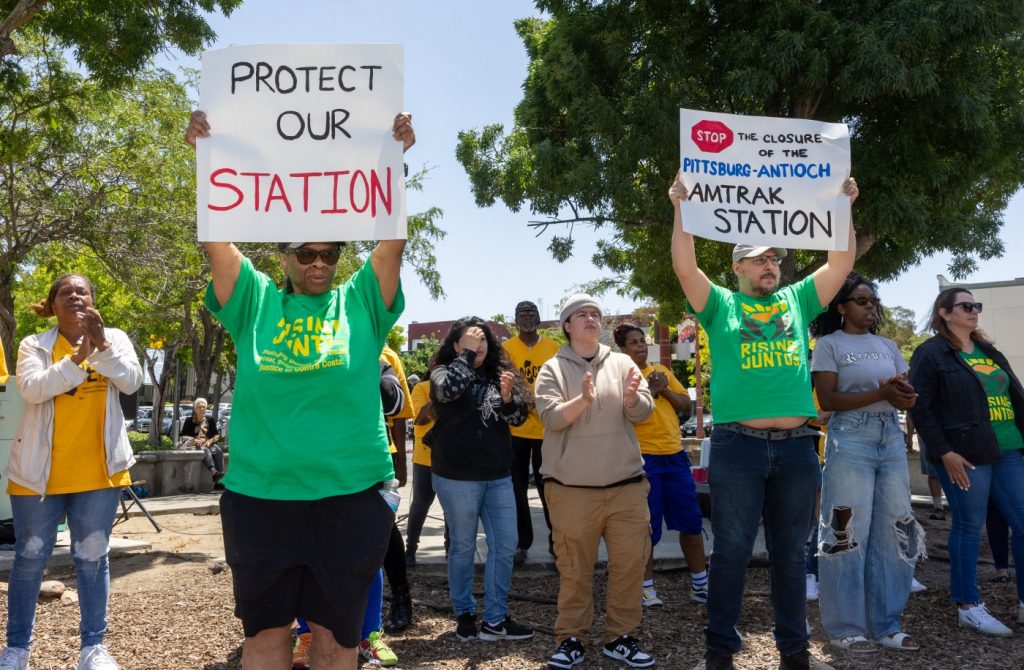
x: 90, y: 518
x: 868, y: 538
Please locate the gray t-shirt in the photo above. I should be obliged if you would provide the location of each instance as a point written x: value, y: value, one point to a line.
x: 860, y: 361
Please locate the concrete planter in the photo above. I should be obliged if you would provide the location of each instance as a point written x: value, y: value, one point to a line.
x: 172, y: 472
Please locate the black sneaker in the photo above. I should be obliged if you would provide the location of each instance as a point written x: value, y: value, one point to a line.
x: 713, y: 661
x: 519, y: 557
x: 802, y: 660
x: 626, y: 649
x: 505, y: 630
x: 466, y: 627
x: 569, y: 653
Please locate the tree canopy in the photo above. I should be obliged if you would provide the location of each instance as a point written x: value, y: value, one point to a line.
x: 930, y: 89
x: 112, y: 39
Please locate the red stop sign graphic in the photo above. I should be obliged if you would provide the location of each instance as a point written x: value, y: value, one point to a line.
x: 711, y: 136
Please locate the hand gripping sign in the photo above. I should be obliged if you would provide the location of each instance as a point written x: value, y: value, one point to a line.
x: 765, y: 181
x: 301, y: 146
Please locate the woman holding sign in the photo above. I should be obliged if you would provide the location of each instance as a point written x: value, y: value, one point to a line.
x: 305, y: 527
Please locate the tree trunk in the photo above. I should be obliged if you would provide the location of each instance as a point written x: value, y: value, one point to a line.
x: 7, y: 322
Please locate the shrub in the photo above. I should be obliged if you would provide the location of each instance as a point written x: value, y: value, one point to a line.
x: 140, y: 442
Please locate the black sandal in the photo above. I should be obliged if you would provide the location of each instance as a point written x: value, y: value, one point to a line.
x: 1000, y: 579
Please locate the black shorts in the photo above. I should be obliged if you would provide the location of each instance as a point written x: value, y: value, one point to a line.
x: 310, y: 559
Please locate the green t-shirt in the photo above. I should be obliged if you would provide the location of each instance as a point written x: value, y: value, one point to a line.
x: 996, y: 383
x: 758, y: 347
x: 307, y: 421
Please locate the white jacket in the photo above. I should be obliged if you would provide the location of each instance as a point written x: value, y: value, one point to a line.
x: 40, y: 380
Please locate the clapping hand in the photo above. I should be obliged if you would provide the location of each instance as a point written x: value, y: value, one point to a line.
x: 506, y: 381
x: 632, y: 383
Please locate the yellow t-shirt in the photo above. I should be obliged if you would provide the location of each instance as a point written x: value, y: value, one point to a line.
x: 528, y: 360
x: 659, y: 434
x: 420, y: 397
x: 388, y: 354
x: 4, y: 375
x: 78, y: 459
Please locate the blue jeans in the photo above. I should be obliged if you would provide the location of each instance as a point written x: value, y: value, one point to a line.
x: 90, y: 517
x: 866, y: 559
x: 372, y: 620
x: 465, y: 504
x: 752, y: 478
x: 1003, y: 481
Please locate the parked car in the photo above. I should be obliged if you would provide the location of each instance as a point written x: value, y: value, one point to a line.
x: 690, y: 427
x: 143, y: 418
x: 184, y: 411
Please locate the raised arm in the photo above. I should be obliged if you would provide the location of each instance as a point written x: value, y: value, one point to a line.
x: 695, y: 283
x: 829, y: 278
x: 225, y: 258
x: 386, y: 259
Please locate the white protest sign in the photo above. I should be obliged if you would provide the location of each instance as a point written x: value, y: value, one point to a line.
x: 765, y: 181
x: 300, y: 146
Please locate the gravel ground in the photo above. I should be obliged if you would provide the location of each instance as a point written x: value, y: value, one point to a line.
x: 172, y: 608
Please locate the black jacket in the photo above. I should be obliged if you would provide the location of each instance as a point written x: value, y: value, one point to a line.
x: 470, y: 440
x: 952, y: 412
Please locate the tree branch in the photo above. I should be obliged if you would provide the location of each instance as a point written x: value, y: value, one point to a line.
x: 542, y: 226
x: 22, y: 13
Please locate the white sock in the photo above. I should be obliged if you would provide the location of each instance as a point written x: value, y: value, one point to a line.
x: 648, y: 583
x: 936, y: 501
x: 699, y: 580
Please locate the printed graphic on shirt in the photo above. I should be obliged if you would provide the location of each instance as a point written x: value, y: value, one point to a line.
x: 997, y: 387
x: 767, y: 339
x: 94, y: 381
x: 530, y: 370
x: 851, y: 358
x: 306, y: 344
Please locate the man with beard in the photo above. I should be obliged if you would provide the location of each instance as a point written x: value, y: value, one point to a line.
x: 763, y: 462
x: 528, y: 351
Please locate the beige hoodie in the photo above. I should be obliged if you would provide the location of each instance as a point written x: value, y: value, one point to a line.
x: 599, y: 448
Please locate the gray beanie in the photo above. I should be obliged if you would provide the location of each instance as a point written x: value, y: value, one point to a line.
x: 575, y: 304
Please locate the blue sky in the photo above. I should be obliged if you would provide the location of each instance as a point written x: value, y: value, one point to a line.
x: 464, y: 68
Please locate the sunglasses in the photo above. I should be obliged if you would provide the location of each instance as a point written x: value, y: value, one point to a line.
x: 309, y: 256
x: 761, y: 261
x: 969, y: 307
x: 863, y: 300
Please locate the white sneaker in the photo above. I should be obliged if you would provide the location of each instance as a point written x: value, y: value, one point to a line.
x: 980, y: 620
x: 650, y: 598
x: 812, y: 587
x: 14, y: 658
x: 916, y: 586
x: 96, y: 657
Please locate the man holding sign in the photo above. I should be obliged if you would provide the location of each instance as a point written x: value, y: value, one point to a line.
x: 763, y: 462
x: 305, y: 526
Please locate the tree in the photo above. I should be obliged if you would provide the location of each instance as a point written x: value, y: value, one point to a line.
x: 899, y: 324
x: 113, y: 39
x: 931, y: 92
x: 83, y: 166
x: 417, y: 361
x: 396, y: 338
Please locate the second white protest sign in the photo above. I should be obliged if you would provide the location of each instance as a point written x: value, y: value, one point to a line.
x: 765, y: 181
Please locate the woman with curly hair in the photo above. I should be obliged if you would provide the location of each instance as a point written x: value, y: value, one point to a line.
x: 477, y: 395
x: 869, y: 540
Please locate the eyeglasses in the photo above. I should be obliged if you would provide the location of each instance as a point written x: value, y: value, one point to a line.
x: 863, y: 300
x: 309, y: 256
x: 761, y: 261
x: 969, y: 307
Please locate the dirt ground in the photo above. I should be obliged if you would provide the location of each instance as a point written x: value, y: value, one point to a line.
x: 171, y: 608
